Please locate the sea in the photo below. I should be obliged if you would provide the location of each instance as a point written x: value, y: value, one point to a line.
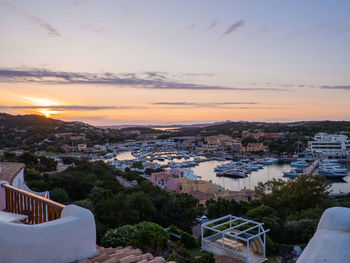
x: 206, y: 171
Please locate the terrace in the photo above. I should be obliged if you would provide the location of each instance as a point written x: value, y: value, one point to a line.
x: 43, y: 230
x: 235, y: 237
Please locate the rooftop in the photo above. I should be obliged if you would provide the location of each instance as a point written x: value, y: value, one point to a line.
x: 123, y: 255
x: 9, y: 170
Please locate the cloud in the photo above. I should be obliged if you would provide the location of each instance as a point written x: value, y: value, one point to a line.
x: 191, y: 27
x: 145, y: 80
x: 213, y: 24
x: 33, y: 19
x: 72, y: 107
x: 233, y: 27
x: 347, y: 87
x: 97, y: 30
x: 203, y: 104
x: 222, y: 105
x: 309, y: 31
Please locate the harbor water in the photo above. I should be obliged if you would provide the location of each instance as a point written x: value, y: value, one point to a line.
x: 205, y: 170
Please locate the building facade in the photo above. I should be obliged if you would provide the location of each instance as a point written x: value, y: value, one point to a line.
x: 330, y: 145
x: 254, y: 147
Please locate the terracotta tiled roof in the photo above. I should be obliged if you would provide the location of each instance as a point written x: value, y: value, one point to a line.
x: 123, y: 255
x: 203, y: 196
x: 9, y: 171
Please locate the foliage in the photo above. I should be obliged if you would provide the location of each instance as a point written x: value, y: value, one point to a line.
x: 85, y: 204
x: 224, y: 207
x: 248, y: 139
x: 185, y: 238
x: 137, y: 165
x: 39, y: 163
x: 59, y: 195
x: 269, y: 217
x: 298, y: 232
x: 145, y: 235
x: 93, y: 185
x: 291, y: 196
x: 149, y: 171
x: 69, y: 160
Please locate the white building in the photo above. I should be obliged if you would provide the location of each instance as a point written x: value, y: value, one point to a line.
x: 330, y: 144
x: 13, y: 173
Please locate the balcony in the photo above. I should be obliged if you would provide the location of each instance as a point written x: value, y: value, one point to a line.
x: 37, y: 229
x: 37, y: 209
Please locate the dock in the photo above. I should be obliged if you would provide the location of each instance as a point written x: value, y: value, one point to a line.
x: 311, y: 168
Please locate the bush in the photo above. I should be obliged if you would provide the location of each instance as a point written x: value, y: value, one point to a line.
x: 185, y: 238
x: 59, y: 195
x: 85, y: 204
x: 188, y: 240
x: 145, y: 235
x: 271, y: 248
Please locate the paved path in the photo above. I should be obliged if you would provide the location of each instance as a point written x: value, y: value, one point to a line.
x: 124, y: 182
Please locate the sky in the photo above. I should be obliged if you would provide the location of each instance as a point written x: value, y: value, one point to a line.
x: 109, y: 62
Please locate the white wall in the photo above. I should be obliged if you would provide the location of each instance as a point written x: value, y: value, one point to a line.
x: 70, y: 238
x: 331, y: 242
x: 18, y: 181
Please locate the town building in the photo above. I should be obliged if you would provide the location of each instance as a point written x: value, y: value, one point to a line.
x: 260, y: 135
x: 82, y: 147
x: 255, y: 147
x: 220, y: 143
x: 166, y: 181
x: 330, y: 144
x: 204, y: 191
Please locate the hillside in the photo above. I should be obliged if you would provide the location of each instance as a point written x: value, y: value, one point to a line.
x: 34, y: 132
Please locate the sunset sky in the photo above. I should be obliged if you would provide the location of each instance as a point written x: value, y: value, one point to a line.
x: 182, y: 61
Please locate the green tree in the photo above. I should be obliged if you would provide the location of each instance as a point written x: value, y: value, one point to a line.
x: 146, y: 235
x: 137, y: 165
x: 289, y: 197
x: 143, y: 204
x: 59, y: 195
x: 224, y: 207
x: 248, y: 139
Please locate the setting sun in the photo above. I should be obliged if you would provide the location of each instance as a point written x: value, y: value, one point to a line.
x: 47, y: 113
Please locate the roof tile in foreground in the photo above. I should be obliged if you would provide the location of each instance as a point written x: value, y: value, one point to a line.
x: 123, y: 255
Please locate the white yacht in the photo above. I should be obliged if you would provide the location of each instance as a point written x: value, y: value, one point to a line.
x: 299, y: 164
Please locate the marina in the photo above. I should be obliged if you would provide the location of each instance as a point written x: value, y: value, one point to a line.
x: 207, y: 170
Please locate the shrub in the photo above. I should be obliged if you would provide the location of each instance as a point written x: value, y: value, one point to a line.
x: 59, y: 195
x: 145, y: 235
x: 185, y: 238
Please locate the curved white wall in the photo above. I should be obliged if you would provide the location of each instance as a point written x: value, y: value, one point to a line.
x: 331, y: 242
x: 70, y: 238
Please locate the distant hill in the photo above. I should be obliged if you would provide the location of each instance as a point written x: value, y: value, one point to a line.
x: 198, y: 125
x: 38, y: 133
x: 35, y: 132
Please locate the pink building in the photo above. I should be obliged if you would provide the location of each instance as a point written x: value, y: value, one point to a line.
x: 166, y: 181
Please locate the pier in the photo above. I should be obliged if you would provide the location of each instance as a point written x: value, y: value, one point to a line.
x: 311, y: 168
